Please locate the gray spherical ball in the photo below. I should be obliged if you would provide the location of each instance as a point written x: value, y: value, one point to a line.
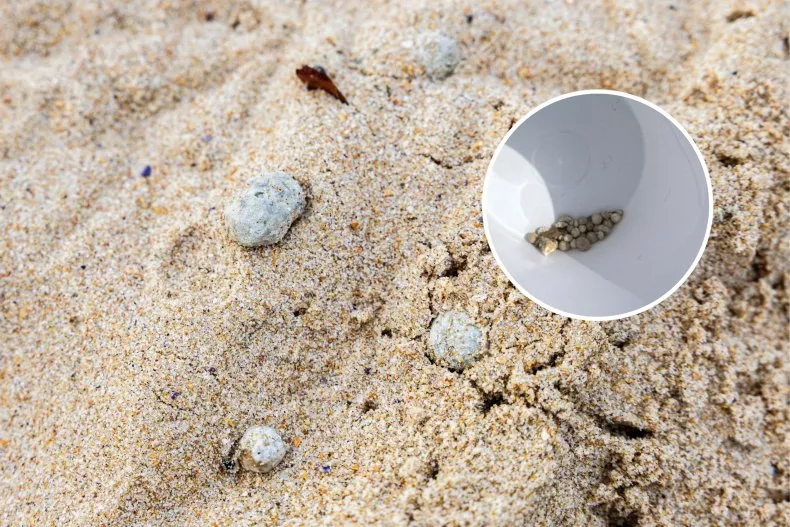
x: 263, y: 213
x: 261, y: 449
x: 438, y: 53
x: 455, y: 342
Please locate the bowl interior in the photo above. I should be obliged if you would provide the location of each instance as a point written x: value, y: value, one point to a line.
x: 586, y: 153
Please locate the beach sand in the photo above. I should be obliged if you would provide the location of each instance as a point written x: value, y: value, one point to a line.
x: 137, y: 341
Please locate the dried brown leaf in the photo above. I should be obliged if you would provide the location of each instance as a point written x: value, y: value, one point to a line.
x: 316, y: 78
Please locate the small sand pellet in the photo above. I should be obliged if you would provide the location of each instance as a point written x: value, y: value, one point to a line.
x: 438, y: 53
x: 261, y: 449
x: 568, y: 233
x: 455, y: 341
x: 263, y: 213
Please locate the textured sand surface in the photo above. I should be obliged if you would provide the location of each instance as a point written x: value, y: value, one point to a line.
x: 137, y: 341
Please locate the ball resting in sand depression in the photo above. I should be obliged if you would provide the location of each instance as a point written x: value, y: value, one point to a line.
x: 455, y: 341
x: 438, y: 53
x: 262, y: 213
x: 260, y: 449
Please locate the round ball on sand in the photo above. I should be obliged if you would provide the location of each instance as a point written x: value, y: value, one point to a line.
x: 455, y: 342
x: 439, y: 54
x: 263, y: 213
x: 261, y: 449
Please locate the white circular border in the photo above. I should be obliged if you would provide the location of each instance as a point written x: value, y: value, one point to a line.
x: 696, y: 151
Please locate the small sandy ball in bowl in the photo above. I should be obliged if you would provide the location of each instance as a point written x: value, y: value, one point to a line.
x: 455, y: 341
x: 263, y: 212
x: 261, y: 449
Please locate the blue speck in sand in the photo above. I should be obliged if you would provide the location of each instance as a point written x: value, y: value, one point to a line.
x: 146, y: 171
x: 326, y: 469
x: 207, y: 138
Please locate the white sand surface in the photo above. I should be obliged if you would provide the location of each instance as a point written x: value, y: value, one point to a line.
x: 136, y: 339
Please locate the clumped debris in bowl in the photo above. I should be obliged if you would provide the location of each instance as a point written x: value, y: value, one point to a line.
x: 567, y: 233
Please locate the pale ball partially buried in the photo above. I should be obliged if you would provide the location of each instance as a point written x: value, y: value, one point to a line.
x: 263, y: 212
x: 455, y: 341
x: 438, y: 53
x: 261, y: 449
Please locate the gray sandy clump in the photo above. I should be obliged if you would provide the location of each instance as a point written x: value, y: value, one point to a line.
x: 260, y: 449
x: 455, y: 341
x: 438, y: 53
x: 263, y: 213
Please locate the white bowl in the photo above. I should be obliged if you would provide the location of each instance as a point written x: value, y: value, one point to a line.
x: 586, y: 152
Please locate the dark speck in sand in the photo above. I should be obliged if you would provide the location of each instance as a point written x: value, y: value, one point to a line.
x: 326, y: 469
x: 146, y: 171
x: 173, y: 396
x: 367, y: 371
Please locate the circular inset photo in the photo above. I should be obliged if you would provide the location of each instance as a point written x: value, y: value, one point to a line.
x: 597, y: 205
